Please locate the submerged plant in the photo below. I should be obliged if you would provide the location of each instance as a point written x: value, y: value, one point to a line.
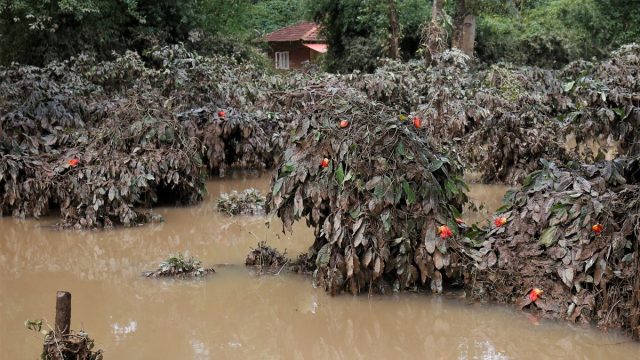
x: 247, y: 202
x: 266, y: 259
x: 180, y: 265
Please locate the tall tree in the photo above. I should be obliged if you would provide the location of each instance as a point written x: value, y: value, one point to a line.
x: 38, y: 31
x: 433, y: 33
x: 394, y: 48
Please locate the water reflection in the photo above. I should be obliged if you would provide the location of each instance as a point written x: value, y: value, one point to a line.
x: 120, y: 331
x: 486, y: 198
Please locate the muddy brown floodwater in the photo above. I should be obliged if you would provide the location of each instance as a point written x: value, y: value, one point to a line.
x: 235, y: 315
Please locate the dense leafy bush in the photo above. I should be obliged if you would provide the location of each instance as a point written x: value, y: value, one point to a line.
x: 375, y: 190
x: 574, y: 233
x: 103, y: 141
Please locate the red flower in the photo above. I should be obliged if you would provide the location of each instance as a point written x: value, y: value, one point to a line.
x: 344, y: 124
x: 445, y: 232
x: 498, y: 222
x: 221, y: 113
x: 74, y: 162
x: 597, y: 228
x: 534, y: 294
x: 417, y: 122
x: 324, y: 163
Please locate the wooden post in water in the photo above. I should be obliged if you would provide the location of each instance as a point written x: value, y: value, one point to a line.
x: 63, y: 313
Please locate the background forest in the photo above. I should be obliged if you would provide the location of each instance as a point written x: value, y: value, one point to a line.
x: 546, y: 33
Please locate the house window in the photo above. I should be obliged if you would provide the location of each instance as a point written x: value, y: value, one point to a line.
x: 282, y: 59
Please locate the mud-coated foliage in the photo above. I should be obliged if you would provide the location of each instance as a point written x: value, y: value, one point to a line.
x: 99, y: 159
x: 606, y: 99
x: 180, y: 266
x: 233, y: 115
x: 374, y: 189
x: 574, y: 233
x: 265, y: 259
x: 502, y: 119
x: 514, y: 115
x: 105, y: 141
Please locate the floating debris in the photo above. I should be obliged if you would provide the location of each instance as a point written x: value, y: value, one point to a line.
x: 247, y: 202
x: 71, y: 346
x: 266, y: 259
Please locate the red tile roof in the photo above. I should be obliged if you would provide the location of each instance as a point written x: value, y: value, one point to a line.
x: 321, y: 48
x: 305, y: 31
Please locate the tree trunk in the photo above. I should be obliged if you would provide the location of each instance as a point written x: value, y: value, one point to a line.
x: 63, y: 314
x: 394, y: 48
x: 464, y: 29
x: 433, y: 34
x: 468, y: 35
x: 436, y: 10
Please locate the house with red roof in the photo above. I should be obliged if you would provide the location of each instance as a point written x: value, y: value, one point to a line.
x: 289, y: 47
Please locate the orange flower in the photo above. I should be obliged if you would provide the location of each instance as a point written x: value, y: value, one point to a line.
x: 324, y: 163
x: 445, y: 232
x: 534, y: 294
x: 498, y: 222
x: 74, y: 162
x: 417, y: 122
x: 597, y: 228
x: 221, y: 114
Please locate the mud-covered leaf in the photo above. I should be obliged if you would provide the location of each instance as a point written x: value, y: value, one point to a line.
x: 548, y: 236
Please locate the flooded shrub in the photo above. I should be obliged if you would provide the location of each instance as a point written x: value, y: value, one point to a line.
x: 503, y: 118
x: 26, y: 190
x: 515, y: 121
x: 71, y: 346
x: 514, y: 112
x: 102, y: 174
x: 266, y: 259
x: 606, y: 100
x: 232, y: 139
x: 104, y: 141
x: 526, y: 114
x: 180, y: 266
x: 394, y: 83
x: 375, y: 190
x: 573, y: 233
x: 448, y: 96
x: 247, y: 202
